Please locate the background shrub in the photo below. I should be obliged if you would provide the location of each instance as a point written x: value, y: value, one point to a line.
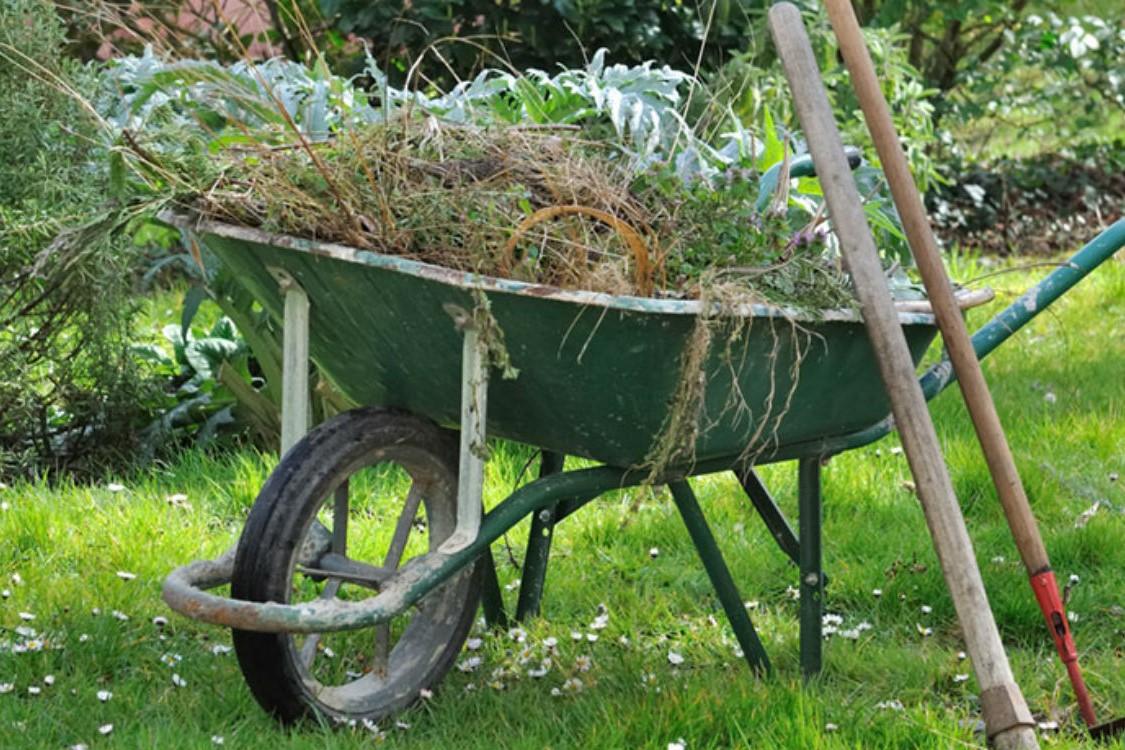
x: 69, y: 390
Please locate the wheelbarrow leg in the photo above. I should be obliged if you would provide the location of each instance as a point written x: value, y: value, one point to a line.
x: 538, y: 546
x: 812, y: 578
x: 491, y: 600
x: 719, y: 574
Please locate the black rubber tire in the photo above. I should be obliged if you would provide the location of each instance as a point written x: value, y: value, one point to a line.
x: 279, y: 520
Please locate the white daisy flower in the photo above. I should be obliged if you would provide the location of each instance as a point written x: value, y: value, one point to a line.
x: 178, y: 681
x: 104, y: 695
x: 470, y: 664
x: 573, y: 684
x: 474, y: 644
x: 677, y: 745
x: 675, y: 659
x: 105, y: 729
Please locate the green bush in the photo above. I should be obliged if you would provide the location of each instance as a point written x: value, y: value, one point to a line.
x: 547, y: 33
x: 69, y: 391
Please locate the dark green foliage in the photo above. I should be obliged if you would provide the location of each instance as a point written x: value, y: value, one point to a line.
x: 68, y: 389
x: 547, y: 33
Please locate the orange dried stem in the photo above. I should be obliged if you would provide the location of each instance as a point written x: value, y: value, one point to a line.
x: 632, y: 238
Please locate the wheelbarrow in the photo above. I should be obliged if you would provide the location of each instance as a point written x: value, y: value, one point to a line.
x: 363, y: 561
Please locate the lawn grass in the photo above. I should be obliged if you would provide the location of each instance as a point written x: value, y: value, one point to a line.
x: 1059, y: 387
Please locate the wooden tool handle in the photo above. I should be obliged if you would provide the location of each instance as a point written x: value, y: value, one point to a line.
x: 1006, y: 715
x: 938, y: 288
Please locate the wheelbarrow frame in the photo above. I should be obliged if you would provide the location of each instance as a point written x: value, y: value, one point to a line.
x: 557, y: 494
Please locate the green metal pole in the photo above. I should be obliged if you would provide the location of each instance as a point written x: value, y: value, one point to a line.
x: 720, y: 576
x: 812, y: 579
x: 534, y: 574
x: 774, y: 519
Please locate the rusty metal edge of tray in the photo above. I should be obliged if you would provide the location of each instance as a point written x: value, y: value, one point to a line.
x: 911, y: 312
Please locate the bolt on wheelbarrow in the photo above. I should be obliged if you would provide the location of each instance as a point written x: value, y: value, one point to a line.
x: 359, y: 572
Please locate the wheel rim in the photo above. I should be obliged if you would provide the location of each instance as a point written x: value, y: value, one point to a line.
x: 393, y: 509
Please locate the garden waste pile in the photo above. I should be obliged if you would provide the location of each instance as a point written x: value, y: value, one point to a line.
x: 592, y: 179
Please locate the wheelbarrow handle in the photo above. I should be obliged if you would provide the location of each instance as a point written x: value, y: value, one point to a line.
x: 1031, y: 303
x: 802, y: 166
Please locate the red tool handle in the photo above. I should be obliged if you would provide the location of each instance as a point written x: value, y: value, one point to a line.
x: 1047, y: 594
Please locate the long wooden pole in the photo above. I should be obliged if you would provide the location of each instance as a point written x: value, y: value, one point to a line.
x: 957, y: 342
x: 1007, y: 719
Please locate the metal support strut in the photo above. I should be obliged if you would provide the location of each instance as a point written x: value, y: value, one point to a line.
x: 720, y: 576
x: 474, y: 446
x: 771, y: 514
x: 295, y: 361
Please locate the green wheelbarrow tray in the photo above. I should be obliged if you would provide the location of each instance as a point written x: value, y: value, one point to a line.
x: 597, y: 373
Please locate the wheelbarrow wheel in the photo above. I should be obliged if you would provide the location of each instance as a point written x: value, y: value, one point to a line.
x: 357, y: 497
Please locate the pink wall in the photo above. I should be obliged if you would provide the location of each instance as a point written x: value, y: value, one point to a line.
x: 248, y: 16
